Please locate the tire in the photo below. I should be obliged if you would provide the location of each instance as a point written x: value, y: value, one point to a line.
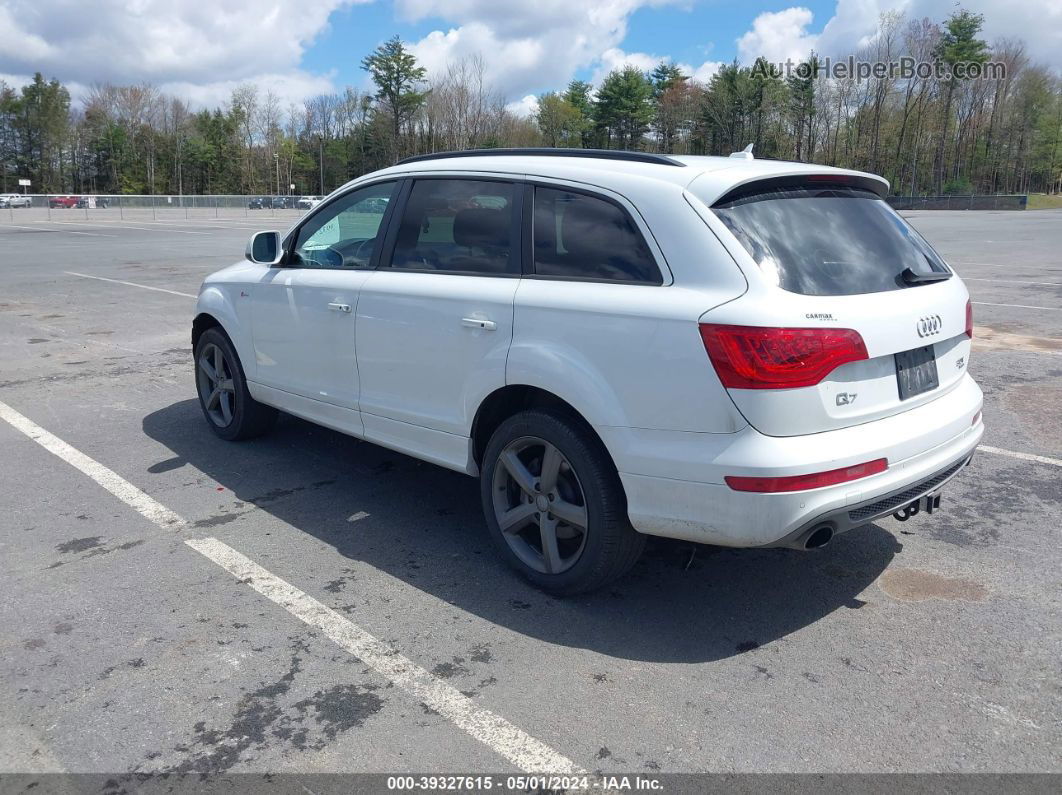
x: 589, y: 541
x: 228, y: 407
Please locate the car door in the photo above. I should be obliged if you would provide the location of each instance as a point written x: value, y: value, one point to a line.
x: 434, y: 322
x: 303, y: 310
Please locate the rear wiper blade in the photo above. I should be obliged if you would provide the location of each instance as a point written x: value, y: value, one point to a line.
x: 913, y: 277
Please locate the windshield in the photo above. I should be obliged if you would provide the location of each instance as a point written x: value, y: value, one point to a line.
x: 828, y: 240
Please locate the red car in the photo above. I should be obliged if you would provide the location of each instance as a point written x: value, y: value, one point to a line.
x: 63, y: 201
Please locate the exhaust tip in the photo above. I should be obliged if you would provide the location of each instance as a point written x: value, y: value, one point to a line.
x: 819, y: 537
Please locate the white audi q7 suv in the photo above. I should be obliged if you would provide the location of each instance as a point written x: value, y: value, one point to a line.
x: 618, y: 344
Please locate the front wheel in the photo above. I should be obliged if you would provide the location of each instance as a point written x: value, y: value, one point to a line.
x: 228, y: 407
x: 554, y: 504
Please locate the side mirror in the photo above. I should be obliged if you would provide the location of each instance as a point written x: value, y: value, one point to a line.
x: 264, y: 248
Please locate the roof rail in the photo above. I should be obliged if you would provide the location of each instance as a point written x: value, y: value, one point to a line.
x: 536, y: 151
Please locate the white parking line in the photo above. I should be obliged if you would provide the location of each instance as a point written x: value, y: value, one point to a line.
x: 517, y: 746
x: 212, y: 223
x: 121, y: 488
x: 1020, y: 306
x: 1040, y: 459
x: 112, y: 225
x: 63, y: 231
x: 129, y: 284
x: 501, y: 736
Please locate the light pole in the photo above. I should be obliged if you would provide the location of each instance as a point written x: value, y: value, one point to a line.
x: 276, y: 159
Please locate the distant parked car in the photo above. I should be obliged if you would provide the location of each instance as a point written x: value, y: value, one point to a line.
x: 93, y: 203
x: 308, y: 202
x: 259, y: 203
x: 14, y: 200
x: 283, y: 202
x: 378, y: 205
x: 63, y: 201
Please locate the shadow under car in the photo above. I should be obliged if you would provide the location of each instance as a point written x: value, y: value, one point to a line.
x: 682, y: 602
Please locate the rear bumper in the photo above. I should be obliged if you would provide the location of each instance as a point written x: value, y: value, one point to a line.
x: 932, y: 441
x: 851, y: 516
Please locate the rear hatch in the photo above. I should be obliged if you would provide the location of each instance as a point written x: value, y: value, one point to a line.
x: 851, y: 316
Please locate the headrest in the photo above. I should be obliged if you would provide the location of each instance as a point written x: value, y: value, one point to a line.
x: 482, y: 227
x: 586, y: 234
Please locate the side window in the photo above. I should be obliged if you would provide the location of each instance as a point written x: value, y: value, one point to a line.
x: 579, y: 236
x: 344, y: 234
x: 458, y: 225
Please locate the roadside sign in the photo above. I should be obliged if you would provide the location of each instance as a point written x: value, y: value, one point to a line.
x: 24, y: 183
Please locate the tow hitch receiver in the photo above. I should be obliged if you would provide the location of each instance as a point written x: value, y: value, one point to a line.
x: 928, y: 503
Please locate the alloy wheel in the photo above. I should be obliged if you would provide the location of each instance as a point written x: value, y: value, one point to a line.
x: 539, y: 505
x: 216, y: 387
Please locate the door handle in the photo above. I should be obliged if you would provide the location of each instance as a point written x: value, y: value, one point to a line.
x: 476, y: 322
x: 339, y: 307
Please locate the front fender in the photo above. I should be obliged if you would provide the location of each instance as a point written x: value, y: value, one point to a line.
x: 221, y: 301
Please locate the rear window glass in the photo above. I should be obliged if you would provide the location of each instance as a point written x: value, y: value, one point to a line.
x: 827, y: 240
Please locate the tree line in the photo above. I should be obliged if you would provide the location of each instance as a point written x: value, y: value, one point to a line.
x: 932, y: 132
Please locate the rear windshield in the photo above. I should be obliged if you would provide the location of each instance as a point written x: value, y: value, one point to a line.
x: 827, y: 240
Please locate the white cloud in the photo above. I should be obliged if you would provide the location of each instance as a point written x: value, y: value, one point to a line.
x: 14, y: 81
x: 702, y: 73
x: 524, y: 108
x: 528, y: 46
x: 199, y: 49
x: 507, y: 61
x: 790, y: 33
x: 289, y: 87
x: 777, y: 36
x: 615, y: 58
x: 1037, y: 22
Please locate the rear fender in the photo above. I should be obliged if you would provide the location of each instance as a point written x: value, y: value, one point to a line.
x: 569, y: 375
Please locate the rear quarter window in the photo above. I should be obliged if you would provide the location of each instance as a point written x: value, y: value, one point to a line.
x: 827, y: 240
x: 577, y: 236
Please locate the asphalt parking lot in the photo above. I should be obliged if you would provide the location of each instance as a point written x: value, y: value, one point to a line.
x: 932, y: 645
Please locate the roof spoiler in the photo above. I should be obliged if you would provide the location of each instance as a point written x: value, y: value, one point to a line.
x: 759, y: 185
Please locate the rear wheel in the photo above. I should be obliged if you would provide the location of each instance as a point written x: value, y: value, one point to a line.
x: 228, y: 407
x: 554, y: 504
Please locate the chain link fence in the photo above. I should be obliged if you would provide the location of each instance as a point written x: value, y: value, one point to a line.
x: 1002, y: 202
x: 52, y: 207
x: 49, y: 207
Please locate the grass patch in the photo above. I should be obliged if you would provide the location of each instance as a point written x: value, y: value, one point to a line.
x: 1044, y: 201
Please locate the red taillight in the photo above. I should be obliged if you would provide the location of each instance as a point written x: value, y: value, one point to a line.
x: 755, y: 357
x: 815, y: 480
x: 969, y: 318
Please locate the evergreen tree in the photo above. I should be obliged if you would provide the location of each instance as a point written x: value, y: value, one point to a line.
x: 578, y: 95
x: 624, y: 108
x: 398, y: 79
x: 559, y: 121
x: 958, y: 45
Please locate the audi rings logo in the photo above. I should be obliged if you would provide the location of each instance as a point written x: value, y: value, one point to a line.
x: 929, y: 325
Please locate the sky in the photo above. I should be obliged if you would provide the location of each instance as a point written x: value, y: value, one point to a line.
x: 201, y: 50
